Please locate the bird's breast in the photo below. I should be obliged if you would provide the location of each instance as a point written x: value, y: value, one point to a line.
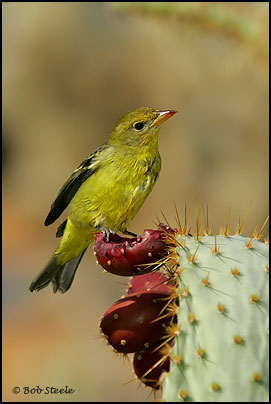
x: 113, y: 195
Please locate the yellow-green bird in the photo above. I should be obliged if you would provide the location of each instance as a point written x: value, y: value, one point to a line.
x: 104, y: 192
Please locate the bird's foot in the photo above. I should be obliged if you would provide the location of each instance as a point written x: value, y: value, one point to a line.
x: 107, y: 232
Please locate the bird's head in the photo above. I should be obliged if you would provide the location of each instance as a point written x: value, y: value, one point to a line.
x: 139, y: 127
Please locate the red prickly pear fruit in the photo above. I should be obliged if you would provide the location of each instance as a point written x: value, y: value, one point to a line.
x: 166, y: 229
x: 151, y: 282
x: 149, y: 364
x: 124, y: 256
x: 129, y: 323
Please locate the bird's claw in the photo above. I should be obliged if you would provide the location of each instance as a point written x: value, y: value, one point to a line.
x: 107, y: 232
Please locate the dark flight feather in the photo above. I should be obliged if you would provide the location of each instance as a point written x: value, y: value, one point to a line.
x: 60, y: 229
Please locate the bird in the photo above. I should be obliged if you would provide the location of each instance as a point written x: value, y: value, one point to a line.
x: 104, y: 193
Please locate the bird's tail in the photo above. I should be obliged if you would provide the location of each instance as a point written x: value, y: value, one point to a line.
x: 62, y: 266
x: 61, y: 276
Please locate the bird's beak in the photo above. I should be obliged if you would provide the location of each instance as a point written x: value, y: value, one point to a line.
x: 162, y: 116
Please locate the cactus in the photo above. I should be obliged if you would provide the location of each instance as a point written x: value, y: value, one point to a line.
x: 149, y: 364
x: 138, y: 323
x: 125, y: 256
x: 221, y: 344
x: 208, y: 323
x: 151, y: 282
x: 133, y: 322
x: 238, y: 22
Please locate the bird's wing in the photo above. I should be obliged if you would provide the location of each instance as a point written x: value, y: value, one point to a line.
x: 71, y: 186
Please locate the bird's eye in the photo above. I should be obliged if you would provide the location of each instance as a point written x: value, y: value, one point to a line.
x: 139, y: 125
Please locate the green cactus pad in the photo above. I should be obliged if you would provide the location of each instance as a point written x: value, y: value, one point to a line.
x: 221, y: 352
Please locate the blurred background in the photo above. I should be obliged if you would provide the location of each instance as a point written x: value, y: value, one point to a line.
x: 70, y: 70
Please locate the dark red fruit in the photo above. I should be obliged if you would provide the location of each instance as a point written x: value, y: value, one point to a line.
x: 149, y: 364
x: 151, y: 282
x: 129, y: 323
x: 125, y: 256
